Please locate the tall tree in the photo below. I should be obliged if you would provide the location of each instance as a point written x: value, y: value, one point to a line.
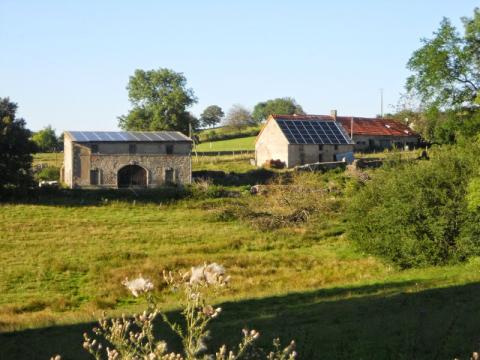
x: 211, y: 116
x: 159, y: 101
x: 284, y: 106
x: 16, y: 148
x: 238, y: 116
x: 447, y: 67
x: 46, y: 140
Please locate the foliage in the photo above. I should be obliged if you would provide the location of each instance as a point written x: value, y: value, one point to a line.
x: 289, y: 200
x: 416, y: 214
x: 159, y: 101
x: 46, y: 140
x: 239, y: 116
x: 446, y: 67
x: 50, y: 173
x: 284, y: 106
x: 211, y: 116
x: 16, y: 148
x: 135, y: 339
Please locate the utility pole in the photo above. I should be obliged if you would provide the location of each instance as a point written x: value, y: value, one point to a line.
x: 381, y: 103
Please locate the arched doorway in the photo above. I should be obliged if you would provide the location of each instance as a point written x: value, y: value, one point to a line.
x: 132, y: 175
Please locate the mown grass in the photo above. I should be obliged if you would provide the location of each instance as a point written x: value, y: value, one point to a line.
x: 63, y: 258
x: 238, y: 144
x: 50, y: 159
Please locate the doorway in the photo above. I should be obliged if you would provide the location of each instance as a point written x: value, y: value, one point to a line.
x: 131, y: 176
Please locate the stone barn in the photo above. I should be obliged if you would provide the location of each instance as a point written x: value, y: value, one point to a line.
x: 122, y: 159
x: 301, y: 139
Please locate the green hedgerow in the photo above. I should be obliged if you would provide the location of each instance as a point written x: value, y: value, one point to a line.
x: 417, y: 213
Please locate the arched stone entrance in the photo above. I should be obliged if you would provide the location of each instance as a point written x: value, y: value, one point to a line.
x: 132, y: 176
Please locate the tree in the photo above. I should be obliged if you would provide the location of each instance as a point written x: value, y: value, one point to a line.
x: 239, y: 116
x: 16, y: 148
x: 46, y: 140
x: 211, y: 116
x: 447, y: 67
x: 284, y: 106
x: 159, y: 101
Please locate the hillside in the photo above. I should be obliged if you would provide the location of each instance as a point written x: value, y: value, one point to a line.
x: 285, y: 270
x: 237, y: 144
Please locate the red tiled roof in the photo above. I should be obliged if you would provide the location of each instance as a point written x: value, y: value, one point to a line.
x: 361, y: 126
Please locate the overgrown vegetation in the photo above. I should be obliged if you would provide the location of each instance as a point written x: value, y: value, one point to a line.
x: 135, y: 338
x: 416, y: 213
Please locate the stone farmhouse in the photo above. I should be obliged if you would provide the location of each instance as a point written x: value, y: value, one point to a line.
x: 108, y: 159
x: 298, y: 140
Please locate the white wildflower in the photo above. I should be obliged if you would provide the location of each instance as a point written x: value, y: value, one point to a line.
x: 212, y: 274
x: 138, y: 286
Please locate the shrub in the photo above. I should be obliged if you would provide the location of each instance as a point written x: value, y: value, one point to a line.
x: 50, y: 173
x: 416, y: 214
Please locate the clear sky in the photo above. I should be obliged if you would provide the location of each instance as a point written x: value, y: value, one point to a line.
x: 66, y: 63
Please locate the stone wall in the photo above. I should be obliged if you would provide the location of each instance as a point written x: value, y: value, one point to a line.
x: 271, y: 144
x: 311, y: 153
x: 108, y: 166
x: 365, y: 142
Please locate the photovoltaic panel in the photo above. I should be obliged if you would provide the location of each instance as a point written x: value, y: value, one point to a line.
x: 314, y: 132
x: 129, y: 136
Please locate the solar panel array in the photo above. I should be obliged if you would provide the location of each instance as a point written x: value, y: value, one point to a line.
x: 130, y: 136
x: 314, y: 132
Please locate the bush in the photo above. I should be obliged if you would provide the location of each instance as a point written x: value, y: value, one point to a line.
x: 50, y: 173
x: 416, y: 214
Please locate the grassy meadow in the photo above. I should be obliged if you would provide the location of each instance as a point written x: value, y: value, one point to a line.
x: 238, y: 144
x: 65, y: 253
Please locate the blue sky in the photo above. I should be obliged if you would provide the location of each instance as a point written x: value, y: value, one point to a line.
x: 66, y: 63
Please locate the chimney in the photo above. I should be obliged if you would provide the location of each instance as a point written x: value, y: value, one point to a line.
x: 333, y: 114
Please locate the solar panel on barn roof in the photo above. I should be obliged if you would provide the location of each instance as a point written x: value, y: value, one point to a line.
x: 130, y: 136
x: 314, y: 132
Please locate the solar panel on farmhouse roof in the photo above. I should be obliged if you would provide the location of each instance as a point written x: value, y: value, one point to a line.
x: 313, y: 132
x: 103, y: 136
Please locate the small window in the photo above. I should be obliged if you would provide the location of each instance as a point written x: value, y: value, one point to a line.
x: 320, y: 158
x: 169, y: 149
x: 320, y: 147
x: 94, y: 148
x: 132, y: 148
x: 94, y: 177
x: 169, y: 176
x: 335, y: 147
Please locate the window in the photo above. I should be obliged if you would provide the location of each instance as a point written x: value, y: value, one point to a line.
x: 132, y: 148
x: 169, y: 176
x: 94, y: 148
x: 94, y: 177
x: 320, y: 147
x: 320, y: 158
x: 169, y: 149
x: 335, y: 147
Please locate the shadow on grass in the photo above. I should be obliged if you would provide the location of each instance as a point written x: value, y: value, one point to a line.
x: 251, y: 177
x: 370, y: 322
x: 82, y: 197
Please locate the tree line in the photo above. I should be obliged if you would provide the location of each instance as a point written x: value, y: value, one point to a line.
x: 160, y: 100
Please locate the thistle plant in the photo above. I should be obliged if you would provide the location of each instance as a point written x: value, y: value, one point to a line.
x: 132, y: 338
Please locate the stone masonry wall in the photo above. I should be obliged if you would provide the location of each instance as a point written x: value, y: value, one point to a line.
x: 109, y: 165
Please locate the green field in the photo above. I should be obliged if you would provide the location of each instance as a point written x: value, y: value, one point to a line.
x: 245, y: 143
x: 64, y: 255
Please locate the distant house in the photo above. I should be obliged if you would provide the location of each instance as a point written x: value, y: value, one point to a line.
x: 303, y: 139
x: 126, y: 159
x: 370, y: 133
